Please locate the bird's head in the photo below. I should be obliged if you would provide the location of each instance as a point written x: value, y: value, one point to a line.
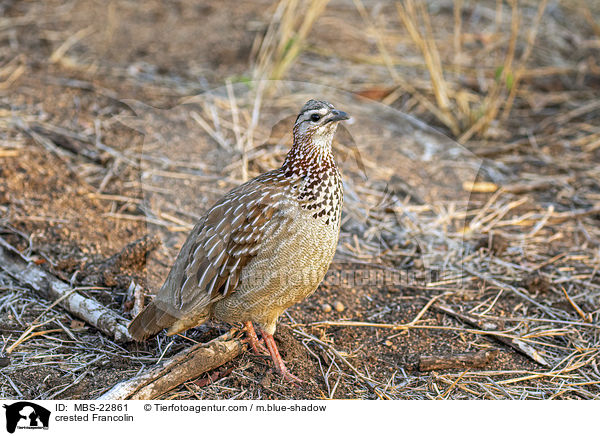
x: 316, y: 124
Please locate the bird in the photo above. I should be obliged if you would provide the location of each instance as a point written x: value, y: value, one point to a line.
x: 263, y: 247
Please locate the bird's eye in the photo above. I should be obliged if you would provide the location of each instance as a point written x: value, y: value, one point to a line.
x: 315, y: 117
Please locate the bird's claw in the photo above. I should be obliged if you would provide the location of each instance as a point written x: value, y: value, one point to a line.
x: 256, y: 344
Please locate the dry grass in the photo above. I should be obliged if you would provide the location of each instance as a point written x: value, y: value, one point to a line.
x: 285, y: 37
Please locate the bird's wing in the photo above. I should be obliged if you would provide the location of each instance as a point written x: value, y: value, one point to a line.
x: 210, y: 262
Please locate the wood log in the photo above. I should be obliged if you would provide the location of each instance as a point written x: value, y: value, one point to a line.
x: 170, y: 373
x: 54, y: 289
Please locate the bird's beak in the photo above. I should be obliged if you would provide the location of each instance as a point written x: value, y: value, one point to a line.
x: 338, y: 116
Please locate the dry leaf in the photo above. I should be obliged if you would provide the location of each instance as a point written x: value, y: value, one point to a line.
x: 480, y: 187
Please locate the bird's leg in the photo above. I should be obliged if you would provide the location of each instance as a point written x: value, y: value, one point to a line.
x: 277, y: 360
x: 256, y: 344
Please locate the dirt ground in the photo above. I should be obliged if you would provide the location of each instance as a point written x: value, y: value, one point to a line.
x: 524, y: 283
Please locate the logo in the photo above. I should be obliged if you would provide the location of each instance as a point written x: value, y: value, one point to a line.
x: 26, y: 415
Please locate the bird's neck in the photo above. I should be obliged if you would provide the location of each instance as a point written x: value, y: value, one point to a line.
x: 309, y: 155
x: 320, y: 191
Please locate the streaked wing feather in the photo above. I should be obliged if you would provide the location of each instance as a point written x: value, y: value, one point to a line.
x: 225, y: 241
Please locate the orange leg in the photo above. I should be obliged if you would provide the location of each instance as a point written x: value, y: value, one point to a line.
x: 256, y: 344
x: 279, y: 364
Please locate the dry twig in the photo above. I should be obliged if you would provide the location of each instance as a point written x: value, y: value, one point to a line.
x: 52, y: 288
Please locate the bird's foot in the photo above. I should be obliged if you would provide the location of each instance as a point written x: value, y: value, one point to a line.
x: 256, y: 344
x: 278, y: 361
x: 288, y: 376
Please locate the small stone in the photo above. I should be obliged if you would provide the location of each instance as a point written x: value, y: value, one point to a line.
x: 388, y: 343
x: 326, y: 308
x: 77, y: 324
x: 4, y: 198
x: 267, y: 380
x: 339, y: 307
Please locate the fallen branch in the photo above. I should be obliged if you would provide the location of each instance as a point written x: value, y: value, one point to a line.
x: 457, y: 361
x: 52, y: 288
x: 514, y: 343
x: 60, y: 137
x: 185, y: 365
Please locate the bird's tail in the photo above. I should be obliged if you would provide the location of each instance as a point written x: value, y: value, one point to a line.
x: 149, y: 322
